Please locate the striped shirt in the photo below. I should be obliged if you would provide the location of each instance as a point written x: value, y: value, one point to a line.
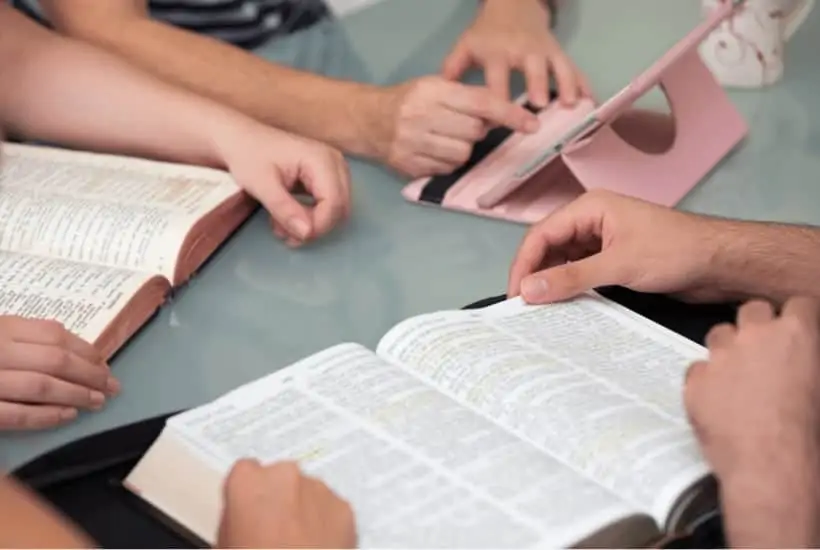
x: 245, y: 23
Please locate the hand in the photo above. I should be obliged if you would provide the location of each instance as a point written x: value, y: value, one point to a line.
x: 278, y: 507
x: 753, y: 406
x: 272, y: 165
x: 429, y: 125
x: 604, y: 239
x: 515, y: 34
x: 755, y: 400
x: 47, y: 374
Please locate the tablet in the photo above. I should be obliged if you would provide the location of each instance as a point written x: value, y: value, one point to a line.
x: 610, y: 109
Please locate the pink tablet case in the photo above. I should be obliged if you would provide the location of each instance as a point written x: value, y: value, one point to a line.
x: 622, y: 155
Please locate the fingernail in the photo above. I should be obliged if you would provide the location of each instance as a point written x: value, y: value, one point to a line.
x: 97, y: 399
x: 68, y: 414
x: 112, y: 386
x: 299, y: 227
x: 534, y: 289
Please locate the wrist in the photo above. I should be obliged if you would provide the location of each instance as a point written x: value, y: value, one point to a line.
x: 764, y: 260
x: 225, y: 129
x: 542, y: 6
x: 370, y: 116
x: 344, y: 115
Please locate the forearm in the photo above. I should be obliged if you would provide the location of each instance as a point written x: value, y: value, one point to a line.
x: 29, y: 523
x: 547, y: 5
x: 765, y: 260
x: 297, y: 101
x: 776, y: 508
x: 59, y: 90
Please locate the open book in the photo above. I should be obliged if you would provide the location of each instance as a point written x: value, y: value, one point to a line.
x: 97, y: 241
x: 511, y: 426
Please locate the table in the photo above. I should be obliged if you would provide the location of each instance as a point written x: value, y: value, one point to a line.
x: 257, y: 306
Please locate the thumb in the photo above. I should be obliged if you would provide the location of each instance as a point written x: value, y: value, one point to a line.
x: 456, y: 64
x: 240, y: 470
x: 283, y: 207
x: 569, y: 280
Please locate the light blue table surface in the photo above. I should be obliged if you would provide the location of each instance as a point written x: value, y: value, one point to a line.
x: 258, y: 306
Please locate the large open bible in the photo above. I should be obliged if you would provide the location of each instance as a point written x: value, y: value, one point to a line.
x: 511, y: 426
x: 97, y: 241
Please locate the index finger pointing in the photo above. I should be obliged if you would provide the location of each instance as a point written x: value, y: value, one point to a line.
x: 483, y: 103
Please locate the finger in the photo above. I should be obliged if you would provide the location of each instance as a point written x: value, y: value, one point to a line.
x: 51, y: 333
x: 424, y: 166
x: 59, y: 363
x: 694, y: 371
x: 583, y: 84
x: 317, y: 491
x: 497, y: 77
x: 805, y: 309
x: 451, y: 151
x: 535, y: 70
x: 480, y: 102
x: 692, y: 389
x: 278, y: 230
x: 457, y: 63
x: 18, y: 416
x: 579, y: 221
x: 243, y: 473
x: 343, y: 171
x: 720, y: 336
x: 565, y: 79
x: 459, y: 126
x: 337, y: 511
x: 570, y: 279
x: 39, y: 388
x: 322, y: 179
x: 283, y: 474
x: 282, y: 206
x: 754, y: 312
x: 346, y: 522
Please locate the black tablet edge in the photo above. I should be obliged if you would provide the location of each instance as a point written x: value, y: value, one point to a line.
x: 70, y: 461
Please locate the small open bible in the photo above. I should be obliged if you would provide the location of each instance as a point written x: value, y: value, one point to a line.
x: 97, y: 241
x: 511, y: 426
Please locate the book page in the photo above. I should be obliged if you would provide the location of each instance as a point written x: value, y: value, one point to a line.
x: 103, y: 209
x: 419, y: 469
x: 85, y: 298
x: 581, y: 380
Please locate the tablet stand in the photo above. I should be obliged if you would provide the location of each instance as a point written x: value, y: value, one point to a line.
x: 645, y: 154
x: 706, y: 128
